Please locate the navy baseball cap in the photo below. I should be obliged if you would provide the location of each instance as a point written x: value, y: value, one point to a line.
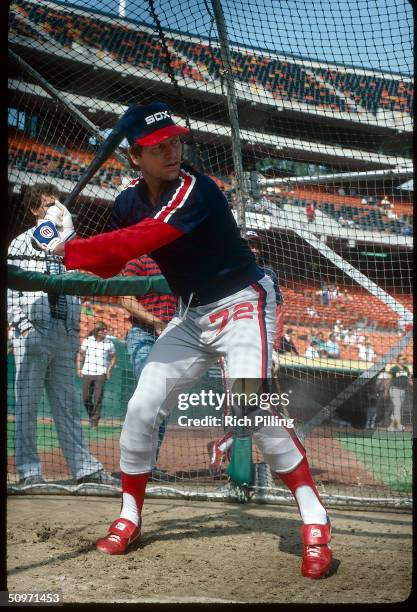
x: 151, y: 124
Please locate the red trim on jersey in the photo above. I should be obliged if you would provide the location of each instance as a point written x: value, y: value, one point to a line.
x: 106, y: 254
x: 261, y: 318
x: 178, y: 199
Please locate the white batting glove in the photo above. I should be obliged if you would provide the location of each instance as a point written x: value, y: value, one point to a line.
x: 61, y: 216
x: 45, y: 236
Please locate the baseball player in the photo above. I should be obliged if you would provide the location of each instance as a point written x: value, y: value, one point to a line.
x: 181, y: 218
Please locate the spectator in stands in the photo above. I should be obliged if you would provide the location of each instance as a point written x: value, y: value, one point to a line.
x: 341, y: 191
x: 313, y: 335
x: 311, y: 311
x: 287, y: 344
x: 334, y: 293
x: 338, y: 331
x: 310, y: 212
x: 324, y: 295
x: 312, y: 351
x: 150, y: 315
x: 95, y: 362
x: 385, y: 203
x: 319, y: 338
x: 46, y: 340
x: 398, y: 384
x: 332, y: 347
x: 364, y: 200
x: 407, y: 230
x: 366, y: 351
x: 350, y: 337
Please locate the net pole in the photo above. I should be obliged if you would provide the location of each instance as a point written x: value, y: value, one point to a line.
x: 62, y: 101
x: 233, y: 114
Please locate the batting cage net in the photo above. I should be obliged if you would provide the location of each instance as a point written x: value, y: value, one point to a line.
x: 301, y: 112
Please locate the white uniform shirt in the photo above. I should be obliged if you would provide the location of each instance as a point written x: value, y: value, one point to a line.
x: 97, y: 355
x: 26, y: 309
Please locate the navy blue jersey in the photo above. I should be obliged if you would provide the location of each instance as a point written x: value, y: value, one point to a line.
x: 210, y: 259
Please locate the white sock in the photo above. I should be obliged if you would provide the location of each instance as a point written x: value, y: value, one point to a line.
x: 311, y: 510
x: 226, y: 444
x: 130, y: 509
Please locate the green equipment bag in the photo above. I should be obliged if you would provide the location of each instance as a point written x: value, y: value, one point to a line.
x: 240, y: 468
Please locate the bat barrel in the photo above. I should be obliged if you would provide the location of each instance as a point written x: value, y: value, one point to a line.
x: 103, y: 153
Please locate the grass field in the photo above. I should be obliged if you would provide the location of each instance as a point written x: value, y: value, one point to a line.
x: 47, y: 439
x: 388, y: 456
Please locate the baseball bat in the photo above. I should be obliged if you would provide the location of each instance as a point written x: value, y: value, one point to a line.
x: 118, y: 133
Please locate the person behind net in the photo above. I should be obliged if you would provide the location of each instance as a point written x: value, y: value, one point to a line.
x: 95, y: 362
x: 287, y: 343
x: 150, y: 315
x: 45, y: 342
x: 227, y: 309
x: 399, y: 382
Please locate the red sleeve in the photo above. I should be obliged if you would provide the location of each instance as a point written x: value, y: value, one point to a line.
x: 106, y: 254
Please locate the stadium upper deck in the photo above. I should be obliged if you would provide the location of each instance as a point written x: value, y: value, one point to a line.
x: 291, y: 83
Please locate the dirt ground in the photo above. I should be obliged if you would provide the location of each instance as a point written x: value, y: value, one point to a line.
x: 202, y: 552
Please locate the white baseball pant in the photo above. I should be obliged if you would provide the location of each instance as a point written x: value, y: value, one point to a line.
x: 241, y: 328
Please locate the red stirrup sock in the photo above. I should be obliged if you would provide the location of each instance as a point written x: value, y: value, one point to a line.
x: 133, y: 495
x: 301, y: 484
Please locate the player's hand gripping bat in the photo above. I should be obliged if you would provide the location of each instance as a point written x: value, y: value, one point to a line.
x: 46, y: 236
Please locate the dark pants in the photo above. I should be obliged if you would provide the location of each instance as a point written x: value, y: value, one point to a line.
x: 93, y: 390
